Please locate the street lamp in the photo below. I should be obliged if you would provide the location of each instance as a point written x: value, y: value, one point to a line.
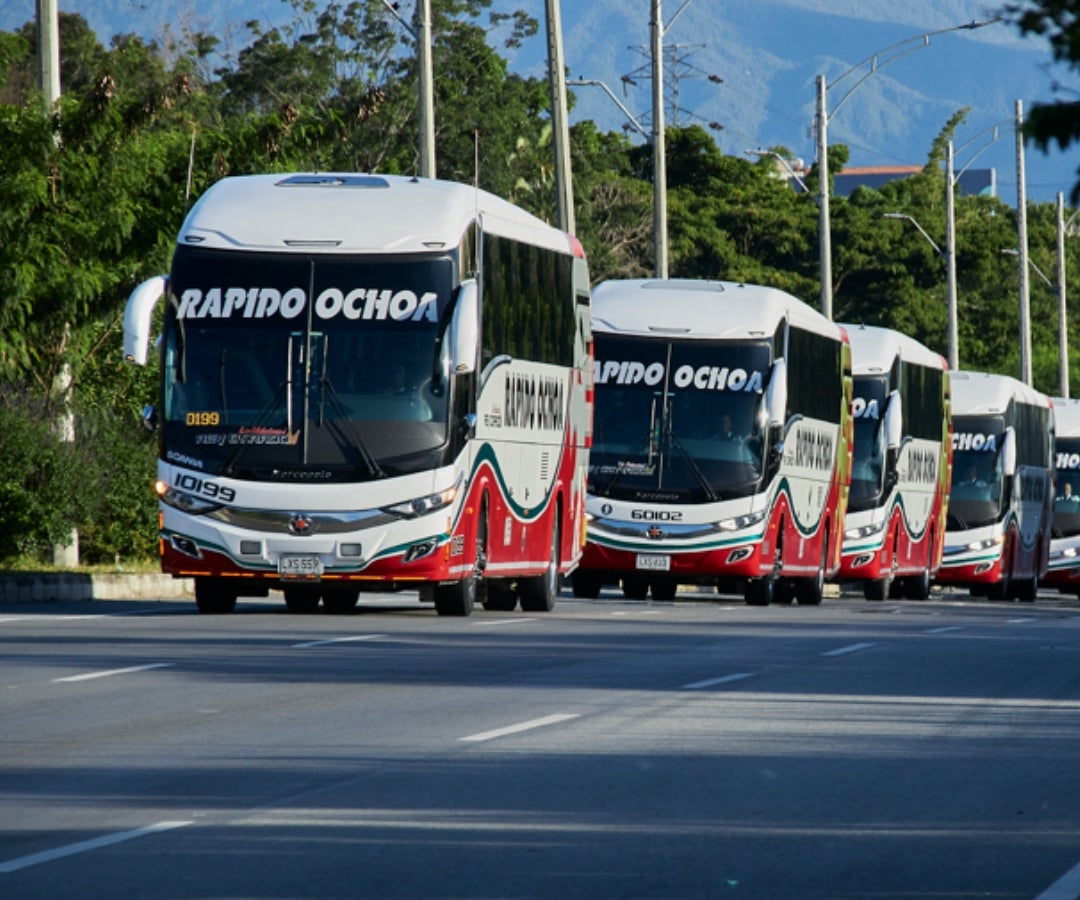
x: 656, y: 138
x: 949, y: 255
x: 783, y: 162
x: 1059, y: 288
x: 876, y: 61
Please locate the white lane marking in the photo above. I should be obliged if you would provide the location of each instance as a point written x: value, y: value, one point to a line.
x: 1019, y: 621
x: 850, y: 648
x: 340, y: 640
x: 519, y: 621
x: 521, y: 726
x: 88, y: 676
x: 723, y: 679
x: 944, y: 629
x: 1067, y: 887
x: 23, y: 862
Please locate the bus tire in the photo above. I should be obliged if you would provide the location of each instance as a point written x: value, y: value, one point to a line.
x: 539, y: 592
x: 635, y: 587
x: 811, y: 591
x: 760, y: 591
x: 214, y: 596
x: 917, y: 587
x: 301, y: 598
x: 586, y: 584
x: 457, y: 598
x: 998, y: 591
x: 877, y: 589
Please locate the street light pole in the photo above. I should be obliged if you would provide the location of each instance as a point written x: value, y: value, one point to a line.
x: 950, y: 260
x: 1063, y: 324
x: 876, y: 62
x: 949, y: 255
x: 656, y: 27
x: 1022, y: 246
x: 824, y: 224
x: 564, y: 184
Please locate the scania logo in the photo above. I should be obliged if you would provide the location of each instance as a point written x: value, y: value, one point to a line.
x: 654, y: 532
x: 300, y: 523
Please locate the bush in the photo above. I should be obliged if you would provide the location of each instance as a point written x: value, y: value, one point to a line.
x: 99, y: 485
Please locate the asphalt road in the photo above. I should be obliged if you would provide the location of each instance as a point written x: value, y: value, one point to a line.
x: 608, y: 749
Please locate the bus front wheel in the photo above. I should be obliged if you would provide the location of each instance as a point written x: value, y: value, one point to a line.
x: 457, y: 598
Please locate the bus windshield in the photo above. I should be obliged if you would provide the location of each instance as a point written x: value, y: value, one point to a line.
x: 976, y: 495
x: 1067, y: 495
x: 290, y: 368
x: 868, y: 462
x: 677, y: 421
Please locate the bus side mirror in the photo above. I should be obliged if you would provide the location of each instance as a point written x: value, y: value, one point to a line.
x: 1008, y: 453
x: 137, y: 315
x: 894, y: 422
x: 776, y: 395
x: 465, y: 329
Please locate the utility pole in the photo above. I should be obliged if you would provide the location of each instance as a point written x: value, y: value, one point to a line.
x: 427, y: 101
x: 1063, y: 322
x: 656, y: 27
x: 64, y: 554
x: 48, y: 49
x: 1022, y: 249
x: 564, y: 185
x: 950, y: 259
x: 824, y: 225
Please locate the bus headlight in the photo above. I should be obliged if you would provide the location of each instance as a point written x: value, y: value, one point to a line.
x: 741, y: 522
x: 189, y: 503
x: 987, y: 543
x: 422, y: 506
x: 856, y: 534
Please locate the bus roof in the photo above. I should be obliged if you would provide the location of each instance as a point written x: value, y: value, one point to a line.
x: 983, y: 393
x: 1066, y: 417
x: 353, y: 213
x: 873, y: 350
x: 700, y: 309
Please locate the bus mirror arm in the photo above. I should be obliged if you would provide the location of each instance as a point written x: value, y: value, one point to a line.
x: 1008, y: 453
x: 465, y: 329
x: 467, y: 426
x: 137, y: 318
x: 894, y: 422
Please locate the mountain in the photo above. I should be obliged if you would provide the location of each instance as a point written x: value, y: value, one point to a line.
x: 768, y: 54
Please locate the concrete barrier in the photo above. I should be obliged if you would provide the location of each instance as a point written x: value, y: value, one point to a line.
x: 48, y: 587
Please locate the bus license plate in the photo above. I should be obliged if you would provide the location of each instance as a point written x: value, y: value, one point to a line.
x: 300, y: 568
x: 654, y: 562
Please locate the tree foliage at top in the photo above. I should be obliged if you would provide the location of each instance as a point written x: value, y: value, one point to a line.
x: 1059, y: 22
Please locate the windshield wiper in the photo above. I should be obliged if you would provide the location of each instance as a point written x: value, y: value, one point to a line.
x: 272, y: 405
x: 698, y: 474
x: 349, y: 428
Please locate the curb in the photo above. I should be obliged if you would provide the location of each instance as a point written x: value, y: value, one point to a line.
x: 41, y: 587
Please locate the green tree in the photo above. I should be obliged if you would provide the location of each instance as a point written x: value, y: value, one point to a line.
x: 1059, y: 22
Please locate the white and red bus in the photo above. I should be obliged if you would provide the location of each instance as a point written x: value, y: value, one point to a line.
x: 900, y: 471
x: 1063, y: 571
x: 997, y: 540
x: 721, y: 442
x: 369, y: 381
